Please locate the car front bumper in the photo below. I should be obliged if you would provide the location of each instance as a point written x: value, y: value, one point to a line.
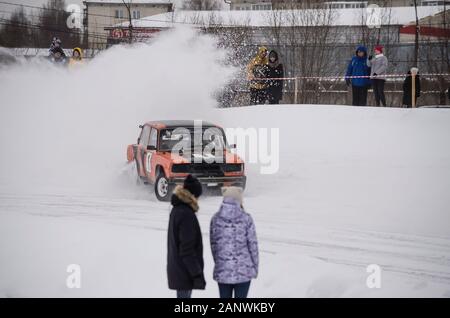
x: 214, y: 181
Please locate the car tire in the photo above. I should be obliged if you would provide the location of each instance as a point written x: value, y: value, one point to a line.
x: 163, y: 189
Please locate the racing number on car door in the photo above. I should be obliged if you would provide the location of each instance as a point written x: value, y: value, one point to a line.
x: 141, y: 148
x: 150, y: 151
x: 148, y: 163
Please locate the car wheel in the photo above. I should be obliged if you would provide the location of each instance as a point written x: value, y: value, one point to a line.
x: 163, y: 189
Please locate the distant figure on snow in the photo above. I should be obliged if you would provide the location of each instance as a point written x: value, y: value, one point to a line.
x: 275, y: 86
x: 407, y: 87
x: 358, y: 67
x: 77, y: 58
x: 58, y: 56
x: 257, y: 74
x: 378, y: 67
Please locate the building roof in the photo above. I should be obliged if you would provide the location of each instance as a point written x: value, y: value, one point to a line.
x: 132, y: 1
x: 262, y: 18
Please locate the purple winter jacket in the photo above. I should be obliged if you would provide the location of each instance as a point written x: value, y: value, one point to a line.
x: 233, y: 244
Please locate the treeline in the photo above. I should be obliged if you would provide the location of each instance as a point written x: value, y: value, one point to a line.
x: 35, y: 27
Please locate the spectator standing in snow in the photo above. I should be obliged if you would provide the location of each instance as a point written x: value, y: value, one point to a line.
x: 275, y: 87
x: 378, y: 67
x: 184, y: 243
x: 407, y: 87
x: 257, y: 74
x: 58, y: 56
x: 56, y: 42
x: 234, y: 246
x: 358, y: 67
x: 77, y: 58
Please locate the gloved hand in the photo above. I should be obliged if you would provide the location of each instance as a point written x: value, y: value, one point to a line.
x: 370, y: 57
x: 199, y: 282
x: 348, y: 81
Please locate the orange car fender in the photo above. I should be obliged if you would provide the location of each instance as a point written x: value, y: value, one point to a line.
x: 130, y: 153
x: 164, y: 164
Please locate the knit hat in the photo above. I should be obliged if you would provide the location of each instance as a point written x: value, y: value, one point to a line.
x: 233, y: 192
x: 379, y: 48
x: 194, y: 186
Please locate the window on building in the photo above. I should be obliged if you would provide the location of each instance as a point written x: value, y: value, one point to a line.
x: 261, y: 7
x: 136, y: 14
x: 119, y: 14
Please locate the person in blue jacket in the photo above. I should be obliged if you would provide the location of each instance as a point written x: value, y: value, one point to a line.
x: 358, y: 67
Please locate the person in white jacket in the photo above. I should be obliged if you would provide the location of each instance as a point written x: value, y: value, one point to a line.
x: 378, y: 67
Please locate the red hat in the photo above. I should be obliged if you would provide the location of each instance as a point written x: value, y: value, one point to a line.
x: 379, y: 48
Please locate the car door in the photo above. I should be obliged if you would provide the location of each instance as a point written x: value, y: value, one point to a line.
x: 149, y: 158
x: 141, y: 148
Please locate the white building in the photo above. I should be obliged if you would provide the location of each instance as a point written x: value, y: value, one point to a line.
x: 251, y: 5
x: 99, y: 14
x: 334, y: 4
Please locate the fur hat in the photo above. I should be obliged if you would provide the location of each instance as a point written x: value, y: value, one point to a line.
x: 233, y: 192
x: 194, y: 186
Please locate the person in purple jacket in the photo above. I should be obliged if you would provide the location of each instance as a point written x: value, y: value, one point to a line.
x: 234, y: 246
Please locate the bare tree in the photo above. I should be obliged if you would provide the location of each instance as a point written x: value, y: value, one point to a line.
x: 16, y: 31
x: 416, y: 37
x: 302, y: 37
x: 435, y: 53
x: 53, y: 22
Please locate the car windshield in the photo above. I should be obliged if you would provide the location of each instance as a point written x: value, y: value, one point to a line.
x: 183, y: 138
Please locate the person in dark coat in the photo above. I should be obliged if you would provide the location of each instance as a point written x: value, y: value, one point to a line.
x: 57, y: 56
x: 275, y: 87
x: 358, y: 67
x: 184, y: 243
x: 407, y: 88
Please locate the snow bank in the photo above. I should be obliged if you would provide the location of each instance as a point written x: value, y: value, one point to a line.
x: 379, y: 167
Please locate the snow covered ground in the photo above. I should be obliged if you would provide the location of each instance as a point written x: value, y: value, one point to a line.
x: 355, y: 186
x: 348, y: 194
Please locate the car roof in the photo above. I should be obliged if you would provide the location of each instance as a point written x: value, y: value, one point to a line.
x: 161, y: 124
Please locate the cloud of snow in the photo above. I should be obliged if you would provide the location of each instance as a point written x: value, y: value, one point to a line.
x: 61, y: 127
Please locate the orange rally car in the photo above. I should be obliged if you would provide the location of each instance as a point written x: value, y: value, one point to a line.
x: 167, y: 151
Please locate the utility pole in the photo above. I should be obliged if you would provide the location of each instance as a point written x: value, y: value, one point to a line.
x: 416, y: 39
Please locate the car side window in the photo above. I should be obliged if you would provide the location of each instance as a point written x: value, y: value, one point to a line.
x: 145, y: 135
x: 153, y: 138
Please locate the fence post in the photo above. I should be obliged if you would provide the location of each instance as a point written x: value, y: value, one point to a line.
x: 414, y: 71
x: 296, y: 90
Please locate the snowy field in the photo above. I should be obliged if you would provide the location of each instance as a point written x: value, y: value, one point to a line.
x: 355, y: 186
